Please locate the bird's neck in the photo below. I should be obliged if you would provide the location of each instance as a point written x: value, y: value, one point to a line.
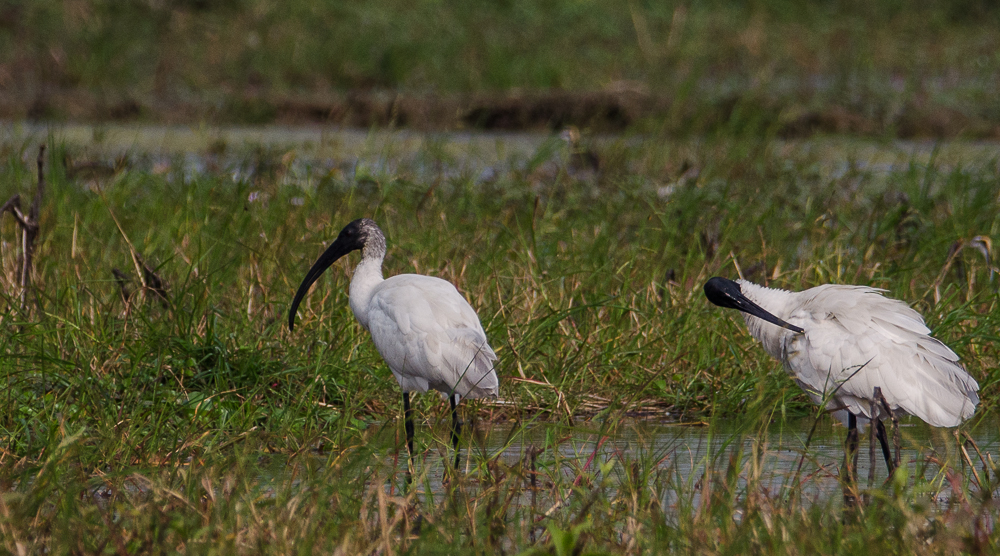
x: 367, y: 275
x: 777, y: 302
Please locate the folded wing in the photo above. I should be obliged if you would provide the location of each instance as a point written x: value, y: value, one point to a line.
x: 861, y: 340
x: 431, y: 338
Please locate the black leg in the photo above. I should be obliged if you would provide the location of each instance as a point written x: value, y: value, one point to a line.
x: 849, y: 473
x: 883, y: 439
x: 895, y: 429
x: 873, y: 411
x: 456, y: 427
x: 852, y: 447
x: 408, y: 426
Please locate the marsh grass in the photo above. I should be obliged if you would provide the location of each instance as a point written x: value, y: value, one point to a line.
x: 202, y: 424
x: 635, y: 496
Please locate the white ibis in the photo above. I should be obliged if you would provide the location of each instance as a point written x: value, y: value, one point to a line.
x: 841, y: 342
x: 426, y: 332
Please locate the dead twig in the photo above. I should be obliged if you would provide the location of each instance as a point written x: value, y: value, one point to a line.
x: 980, y: 243
x: 122, y: 280
x: 153, y: 281
x: 150, y: 280
x: 29, y: 227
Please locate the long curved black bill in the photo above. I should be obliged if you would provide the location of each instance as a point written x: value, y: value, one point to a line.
x: 752, y: 308
x: 334, y: 252
x: 726, y: 293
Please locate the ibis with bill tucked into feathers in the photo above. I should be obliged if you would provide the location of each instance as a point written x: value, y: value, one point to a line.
x: 840, y: 342
x: 427, y: 333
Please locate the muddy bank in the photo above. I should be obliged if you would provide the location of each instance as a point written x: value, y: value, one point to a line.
x: 600, y: 111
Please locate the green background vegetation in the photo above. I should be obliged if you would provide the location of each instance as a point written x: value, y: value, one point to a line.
x: 199, y: 424
x: 924, y: 68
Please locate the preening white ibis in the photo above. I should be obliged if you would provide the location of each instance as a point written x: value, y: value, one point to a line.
x: 841, y: 342
x: 426, y: 332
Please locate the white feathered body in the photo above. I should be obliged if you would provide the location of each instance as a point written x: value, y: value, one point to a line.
x: 429, y: 336
x: 856, y: 339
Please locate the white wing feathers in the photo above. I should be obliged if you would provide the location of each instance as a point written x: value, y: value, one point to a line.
x: 857, y: 339
x: 430, y: 337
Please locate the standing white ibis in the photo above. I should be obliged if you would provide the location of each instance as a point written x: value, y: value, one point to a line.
x: 841, y: 342
x: 426, y: 332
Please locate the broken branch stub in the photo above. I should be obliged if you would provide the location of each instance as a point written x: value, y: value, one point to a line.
x: 29, y: 228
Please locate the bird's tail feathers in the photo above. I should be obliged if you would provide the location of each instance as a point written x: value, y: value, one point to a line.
x: 478, y: 377
x: 939, y: 391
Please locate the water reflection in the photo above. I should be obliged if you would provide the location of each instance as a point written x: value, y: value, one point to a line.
x: 309, y: 155
x: 777, y: 461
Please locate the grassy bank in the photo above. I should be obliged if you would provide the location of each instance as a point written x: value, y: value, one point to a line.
x: 148, y: 414
x: 889, y: 69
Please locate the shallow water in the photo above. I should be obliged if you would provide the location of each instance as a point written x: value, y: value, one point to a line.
x: 767, y: 462
x: 309, y: 153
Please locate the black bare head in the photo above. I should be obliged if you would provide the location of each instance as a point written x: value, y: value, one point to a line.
x: 723, y: 292
x: 354, y: 236
x: 727, y: 293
